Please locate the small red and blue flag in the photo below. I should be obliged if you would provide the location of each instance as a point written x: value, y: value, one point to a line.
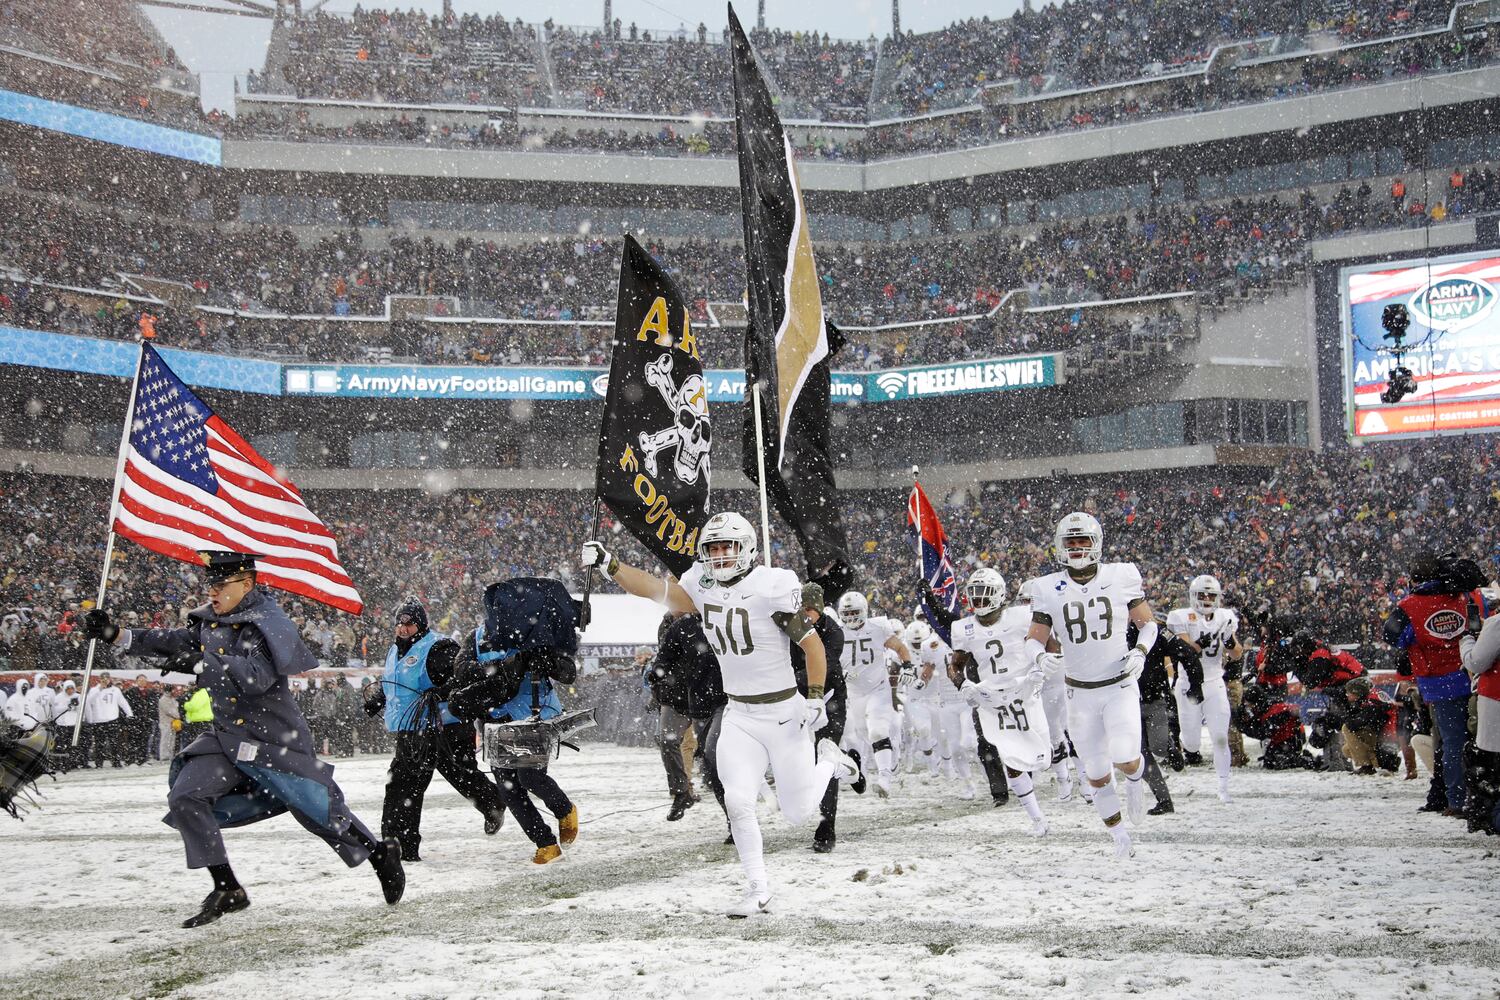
x: 932, y: 554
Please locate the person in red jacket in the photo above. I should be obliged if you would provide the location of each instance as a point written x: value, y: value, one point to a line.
x: 1428, y: 624
x: 1262, y: 715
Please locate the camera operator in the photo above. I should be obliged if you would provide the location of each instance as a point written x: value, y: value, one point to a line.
x: 1366, y: 716
x: 507, y: 670
x: 1427, y: 624
x: 1326, y: 671
x: 1262, y: 715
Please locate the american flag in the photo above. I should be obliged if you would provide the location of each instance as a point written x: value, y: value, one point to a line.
x: 932, y: 554
x: 191, y: 483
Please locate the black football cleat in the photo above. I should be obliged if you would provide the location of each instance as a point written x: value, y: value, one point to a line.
x: 218, y: 903
x: 857, y: 787
x: 492, y: 824
x: 680, y: 805
x: 386, y: 860
x: 1161, y: 809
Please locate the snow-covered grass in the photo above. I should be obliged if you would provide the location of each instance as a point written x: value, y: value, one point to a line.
x: 1307, y: 885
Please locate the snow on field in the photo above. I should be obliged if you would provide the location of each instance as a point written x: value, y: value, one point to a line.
x: 1308, y: 885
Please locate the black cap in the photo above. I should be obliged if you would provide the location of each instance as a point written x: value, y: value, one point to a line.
x: 412, y: 609
x: 220, y: 566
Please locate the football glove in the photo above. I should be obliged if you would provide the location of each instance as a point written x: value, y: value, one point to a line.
x: 596, y: 556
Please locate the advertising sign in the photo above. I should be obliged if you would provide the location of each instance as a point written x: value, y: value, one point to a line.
x: 1453, y: 346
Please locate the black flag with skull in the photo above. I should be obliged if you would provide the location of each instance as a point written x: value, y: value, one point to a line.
x: 653, y: 469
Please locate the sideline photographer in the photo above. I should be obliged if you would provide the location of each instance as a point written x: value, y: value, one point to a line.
x: 1428, y: 624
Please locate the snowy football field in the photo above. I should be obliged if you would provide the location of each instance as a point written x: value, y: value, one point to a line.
x: 1308, y: 885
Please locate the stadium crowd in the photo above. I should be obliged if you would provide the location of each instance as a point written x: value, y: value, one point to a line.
x: 1327, y: 539
x: 1221, y: 251
x: 1053, y: 60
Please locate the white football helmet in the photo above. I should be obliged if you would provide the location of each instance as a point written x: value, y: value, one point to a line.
x: 854, y: 609
x: 1079, y: 525
x: 740, y: 559
x: 985, y: 590
x: 1205, y: 594
x: 1024, y: 593
x: 917, y: 635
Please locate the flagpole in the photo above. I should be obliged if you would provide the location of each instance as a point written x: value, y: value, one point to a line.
x: 921, y: 564
x: 760, y: 463
x: 109, y: 543
x: 585, y: 613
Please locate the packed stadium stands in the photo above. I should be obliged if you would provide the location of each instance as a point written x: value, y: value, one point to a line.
x: 1328, y: 537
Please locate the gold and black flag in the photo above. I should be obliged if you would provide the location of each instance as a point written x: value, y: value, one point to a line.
x: 788, y: 342
x: 653, y: 467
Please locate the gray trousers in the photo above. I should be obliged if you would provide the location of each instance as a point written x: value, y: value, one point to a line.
x: 206, y: 778
x: 671, y: 728
x: 1156, y: 738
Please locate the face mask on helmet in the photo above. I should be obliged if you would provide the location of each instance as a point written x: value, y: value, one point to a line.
x: 853, y: 610
x: 1079, y: 541
x: 917, y: 634
x: 1206, y: 595
x: 727, y: 547
x: 985, y: 591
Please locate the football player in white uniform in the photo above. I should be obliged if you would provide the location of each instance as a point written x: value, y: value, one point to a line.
x: 1211, y: 630
x: 994, y: 674
x: 1055, y: 702
x: 873, y: 720
x: 943, y: 710
x: 751, y: 616
x: 1087, y: 607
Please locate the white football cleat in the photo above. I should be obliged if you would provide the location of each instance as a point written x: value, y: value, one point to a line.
x: 883, y: 785
x: 756, y: 900
x: 1224, y: 796
x: 1039, y: 827
x: 1065, y: 789
x: 966, y: 791
x: 844, y: 766
x: 1124, y: 849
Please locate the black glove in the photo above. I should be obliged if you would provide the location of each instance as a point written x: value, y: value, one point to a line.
x: 96, y: 625
x: 187, y: 662
x: 1473, y: 621
x: 1195, y: 694
x: 375, y: 701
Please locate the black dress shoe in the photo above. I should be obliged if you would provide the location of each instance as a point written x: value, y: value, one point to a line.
x: 386, y: 860
x: 492, y: 824
x: 857, y: 787
x: 218, y: 903
x: 1160, y: 809
x: 680, y: 805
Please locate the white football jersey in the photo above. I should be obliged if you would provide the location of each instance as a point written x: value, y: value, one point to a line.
x: 934, y: 652
x: 755, y: 655
x: 999, y: 649
x: 1212, y: 632
x: 1089, y: 619
x: 864, y: 655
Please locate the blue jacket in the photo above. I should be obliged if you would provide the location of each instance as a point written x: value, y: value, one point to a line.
x: 519, y: 707
x: 406, y: 681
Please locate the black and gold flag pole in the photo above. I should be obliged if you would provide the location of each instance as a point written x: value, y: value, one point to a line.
x: 653, y: 468
x: 788, y: 341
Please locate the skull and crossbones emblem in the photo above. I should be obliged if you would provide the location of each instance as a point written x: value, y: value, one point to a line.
x: 690, y: 433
